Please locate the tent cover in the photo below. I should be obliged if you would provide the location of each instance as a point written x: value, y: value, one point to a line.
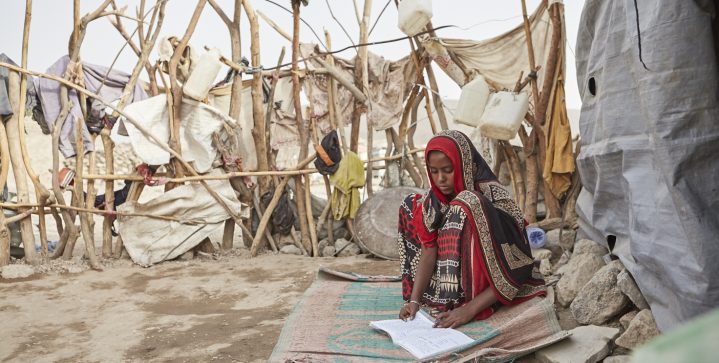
x: 650, y: 143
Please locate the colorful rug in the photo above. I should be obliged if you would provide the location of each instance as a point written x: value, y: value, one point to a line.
x: 331, y: 324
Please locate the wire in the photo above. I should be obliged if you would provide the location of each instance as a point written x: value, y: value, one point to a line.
x: 489, y: 21
x: 378, y: 17
x: 362, y: 45
x: 338, y: 23
x: 303, y: 20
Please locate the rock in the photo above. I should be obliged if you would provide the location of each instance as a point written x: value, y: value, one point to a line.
x: 328, y: 251
x: 74, y: 269
x: 584, y: 246
x: 600, y: 299
x: 545, y: 267
x: 559, y: 266
x: 629, y: 287
x: 541, y: 253
x: 627, y: 318
x: 351, y: 249
x: 323, y: 243
x: 205, y: 256
x: 283, y: 239
x: 291, y: 250
x: 587, y: 344
x: 17, y: 271
x: 617, y: 359
x: 576, y: 274
x: 340, y: 243
x: 567, y: 242
x: 187, y: 256
x: 641, y: 329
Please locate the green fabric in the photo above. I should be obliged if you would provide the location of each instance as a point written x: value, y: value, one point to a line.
x: 347, y: 181
x: 695, y: 342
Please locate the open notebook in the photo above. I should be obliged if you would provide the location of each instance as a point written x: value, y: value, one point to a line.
x: 420, y: 338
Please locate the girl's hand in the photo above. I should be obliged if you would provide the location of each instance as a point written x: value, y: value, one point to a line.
x: 408, y: 311
x: 454, y: 318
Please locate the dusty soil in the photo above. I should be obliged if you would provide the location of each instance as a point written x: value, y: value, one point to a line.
x: 226, y: 310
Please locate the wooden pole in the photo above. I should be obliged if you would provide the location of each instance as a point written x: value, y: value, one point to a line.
x: 85, y: 224
x: 410, y: 143
x: 302, y: 129
x: 4, y: 169
x: 310, y: 218
x: 91, y: 193
x: 364, y: 77
x: 261, y: 214
x: 18, y: 168
x: 69, y: 232
x: 146, y: 46
x: 550, y: 80
x: 271, y: 100
x: 257, y: 241
x: 332, y: 98
x: 436, y: 99
x: 41, y: 193
x: 532, y: 167
x: 258, y: 115
x: 175, y: 102
x: 66, y: 249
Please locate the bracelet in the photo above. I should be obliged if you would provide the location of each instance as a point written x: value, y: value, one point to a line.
x: 414, y: 301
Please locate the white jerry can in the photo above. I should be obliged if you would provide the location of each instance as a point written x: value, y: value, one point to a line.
x: 414, y: 15
x: 203, y: 76
x: 503, y: 115
x: 472, y: 102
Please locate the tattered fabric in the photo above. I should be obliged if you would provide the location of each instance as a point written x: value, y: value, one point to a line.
x: 346, y: 181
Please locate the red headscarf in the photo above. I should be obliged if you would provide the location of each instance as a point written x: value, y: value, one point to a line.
x: 469, y: 168
x: 448, y: 147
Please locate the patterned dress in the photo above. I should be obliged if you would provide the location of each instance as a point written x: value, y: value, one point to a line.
x: 479, y: 235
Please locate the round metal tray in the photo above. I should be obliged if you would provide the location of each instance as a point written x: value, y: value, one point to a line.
x: 376, y: 221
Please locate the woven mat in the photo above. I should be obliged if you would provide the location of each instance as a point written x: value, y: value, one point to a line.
x: 331, y: 324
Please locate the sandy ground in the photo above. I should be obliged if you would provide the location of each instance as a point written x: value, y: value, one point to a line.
x: 226, y: 310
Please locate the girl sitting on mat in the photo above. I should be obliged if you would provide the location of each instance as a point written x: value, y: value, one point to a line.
x: 462, y: 244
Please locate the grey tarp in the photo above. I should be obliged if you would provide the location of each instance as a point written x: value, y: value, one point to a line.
x: 108, y: 84
x: 650, y: 141
x: 5, y: 107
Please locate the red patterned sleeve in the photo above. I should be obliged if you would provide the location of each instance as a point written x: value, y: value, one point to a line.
x: 426, y: 238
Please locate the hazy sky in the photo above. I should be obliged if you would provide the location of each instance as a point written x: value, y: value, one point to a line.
x: 478, y: 19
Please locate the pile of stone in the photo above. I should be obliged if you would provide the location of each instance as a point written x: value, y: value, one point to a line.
x: 340, y: 248
x: 608, y: 316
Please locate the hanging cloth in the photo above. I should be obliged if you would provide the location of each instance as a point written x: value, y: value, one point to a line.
x: 347, y: 180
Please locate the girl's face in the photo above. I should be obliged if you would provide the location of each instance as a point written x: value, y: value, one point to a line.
x: 442, y: 172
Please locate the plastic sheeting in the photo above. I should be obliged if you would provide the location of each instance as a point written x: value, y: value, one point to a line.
x: 198, y: 122
x: 151, y: 240
x: 650, y: 141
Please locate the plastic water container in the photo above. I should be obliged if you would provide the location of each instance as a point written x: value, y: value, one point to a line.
x: 414, y: 15
x: 503, y: 115
x: 472, y: 102
x: 536, y: 236
x: 203, y: 76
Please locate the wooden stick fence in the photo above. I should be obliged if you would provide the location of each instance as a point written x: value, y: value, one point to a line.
x: 400, y: 141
